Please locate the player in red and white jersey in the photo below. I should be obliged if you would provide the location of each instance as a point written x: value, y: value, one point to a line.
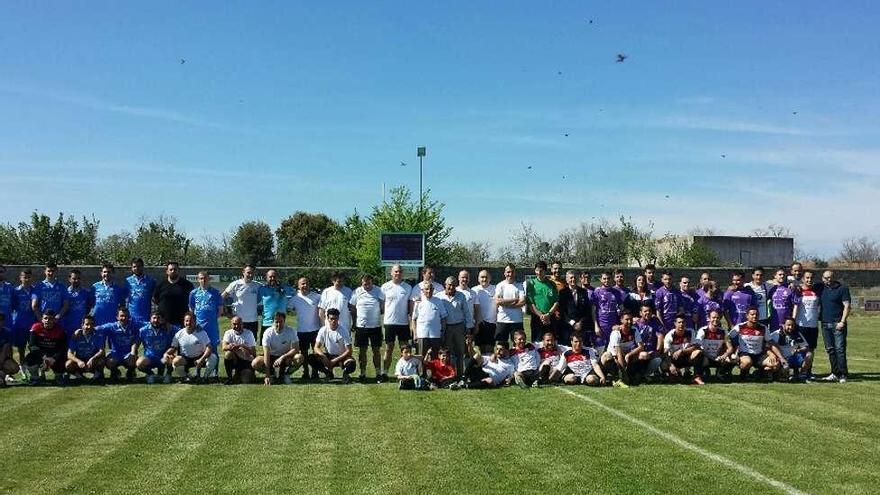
x: 718, y: 352
x: 580, y: 365
x: 753, y: 343
x: 681, y: 352
x: 624, y: 346
x: 525, y: 357
x: 550, y: 353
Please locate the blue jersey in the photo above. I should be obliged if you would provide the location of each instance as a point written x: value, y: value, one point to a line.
x: 140, y: 296
x: 108, y: 298
x: 206, y: 303
x: 80, y: 302
x: 51, y: 295
x: 86, y: 346
x: 155, y: 340
x: 23, y: 317
x: 118, y: 337
x: 6, y: 300
x: 274, y: 300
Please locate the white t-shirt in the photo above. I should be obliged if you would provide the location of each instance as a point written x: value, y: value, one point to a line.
x: 471, y: 298
x: 306, y: 309
x: 808, y: 309
x: 245, y: 299
x: 368, y: 306
x: 626, y: 344
x: 407, y: 367
x: 752, y: 340
x: 485, y: 297
x: 427, y: 315
x: 279, y: 343
x: 499, y: 370
x: 415, y: 293
x: 245, y: 338
x: 333, y: 342
x: 333, y: 298
x: 712, y: 345
x: 396, y: 302
x: 580, y: 363
x: 761, y: 293
x: 191, y: 345
x: 510, y: 314
x: 525, y: 359
x: 673, y: 343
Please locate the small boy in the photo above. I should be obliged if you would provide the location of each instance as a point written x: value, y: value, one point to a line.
x: 440, y: 371
x: 407, y: 369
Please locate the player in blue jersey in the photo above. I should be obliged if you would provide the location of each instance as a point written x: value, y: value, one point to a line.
x: 8, y: 366
x: 49, y: 294
x: 207, y: 304
x: 156, y: 337
x: 109, y: 296
x: 139, y: 292
x: 80, y: 302
x: 85, y: 352
x: 23, y: 317
x: 122, y: 338
x: 5, y: 295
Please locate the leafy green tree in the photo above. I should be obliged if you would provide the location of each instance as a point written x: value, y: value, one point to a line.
x: 301, y: 236
x: 65, y: 241
x: 688, y: 252
x: 252, y: 243
x: 343, y: 247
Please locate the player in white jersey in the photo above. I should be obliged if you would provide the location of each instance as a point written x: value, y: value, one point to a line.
x: 624, y: 347
x: 718, y: 352
x: 490, y: 370
x: 510, y: 298
x: 368, y: 303
x: 792, y: 350
x: 305, y: 304
x: 682, y: 352
x: 398, y: 307
x: 753, y: 342
x: 484, y: 293
x: 281, y: 354
x: 526, y: 358
x: 550, y: 353
x: 239, y: 351
x: 191, y: 348
x: 580, y: 365
x: 336, y: 296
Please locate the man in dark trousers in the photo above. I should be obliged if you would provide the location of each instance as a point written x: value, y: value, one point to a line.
x: 834, y: 301
x: 172, y: 295
x: 575, y: 310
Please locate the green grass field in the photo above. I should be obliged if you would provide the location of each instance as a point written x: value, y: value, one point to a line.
x: 328, y: 438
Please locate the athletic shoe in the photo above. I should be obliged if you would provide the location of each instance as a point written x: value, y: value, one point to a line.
x: 830, y: 378
x: 619, y: 384
x: 151, y: 379
x: 362, y: 378
x: 9, y: 379
x: 698, y: 381
x: 61, y: 380
x: 519, y: 381
x: 34, y: 381
x: 167, y: 379
x: 384, y: 377
x: 379, y: 379
x: 536, y: 384
x: 130, y: 375
x: 228, y: 381
x: 455, y: 385
x: 287, y: 380
x: 98, y: 379
x: 842, y: 379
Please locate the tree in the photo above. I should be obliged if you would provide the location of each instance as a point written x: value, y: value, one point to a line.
x: 773, y: 230
x: 301, y: 236
x: 687, y: 252
x: 470, y: 253
x: 859, y: 250
x: 252, y: 243
x: 342, y: 247
x: 65, y: 241
x: 159, y: 240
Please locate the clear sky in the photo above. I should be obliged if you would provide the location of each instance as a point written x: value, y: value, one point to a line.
x: 284, y: 106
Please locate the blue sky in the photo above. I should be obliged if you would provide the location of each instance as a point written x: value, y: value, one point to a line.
x: 284, y: 106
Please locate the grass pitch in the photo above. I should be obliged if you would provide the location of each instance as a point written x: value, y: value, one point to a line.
x: 327, y: 438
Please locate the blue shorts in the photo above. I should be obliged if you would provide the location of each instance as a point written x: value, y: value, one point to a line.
x: 119, y: 357
x: 796, y: 360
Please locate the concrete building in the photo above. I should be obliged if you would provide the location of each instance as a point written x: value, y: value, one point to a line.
x: 750, y: 251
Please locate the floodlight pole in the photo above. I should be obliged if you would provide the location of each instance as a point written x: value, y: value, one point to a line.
x: 421, y: 151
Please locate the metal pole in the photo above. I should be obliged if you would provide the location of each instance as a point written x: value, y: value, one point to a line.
x: 420, y: 183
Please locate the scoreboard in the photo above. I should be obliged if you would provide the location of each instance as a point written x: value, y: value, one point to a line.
x: 402, y: 248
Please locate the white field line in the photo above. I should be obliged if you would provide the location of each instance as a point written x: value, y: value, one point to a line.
x: 751, y: 473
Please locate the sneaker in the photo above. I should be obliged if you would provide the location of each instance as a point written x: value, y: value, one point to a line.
x: 379, y: 379
x: 830, y: 378
x: 61, y: 380
x: 98, y: 379
x: 519, y: 381
x: 842, y: 379
x: 228, y: 381
x: 130, y: 375
x: 619, y: 384
x: 151, y: 379
x: 34, y: 381
x: 9, y: 379
x: 455, y: 386
x: 287, y: 380
x: 536, y: 384
x: 383, y: 378
x: 167, y: 379
x: 362, y: 378
x: 698, y: 381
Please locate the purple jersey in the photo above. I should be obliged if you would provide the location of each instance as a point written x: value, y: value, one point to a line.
x: 622, y: 293
x: 607, y: 302
x: 648, y: 331
x: 736, y: 304
x: 706, y: 305
x: 689, y: 305
x: 668, y: 302
x: 782, y: 298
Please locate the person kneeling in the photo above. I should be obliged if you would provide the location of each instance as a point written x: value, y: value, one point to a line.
x: 526, y: 359
x: 239, y: 350
x: 85, y: 352
x: 332, y: 348
x: 440, y: 371
x: 281, y: 355
x: 191, y: 347
x: 580, y: 365
x: 754, y: 342
x: 792, y: 351
x: 550, y: 370
x: 8, y: 366
x: 682, y: 353
x: 622, y: 357
x: 156, y: 337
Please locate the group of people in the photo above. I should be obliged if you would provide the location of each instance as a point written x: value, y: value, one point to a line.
x: 450, y: 335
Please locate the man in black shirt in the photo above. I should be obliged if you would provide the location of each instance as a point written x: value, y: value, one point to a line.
x: 834, y: 299
x: 172, y: 295
x: 575, y: 309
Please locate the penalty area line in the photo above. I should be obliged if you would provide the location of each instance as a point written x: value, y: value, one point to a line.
x: 751, y: 473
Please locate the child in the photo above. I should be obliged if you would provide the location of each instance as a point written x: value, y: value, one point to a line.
x: 440, y: 372
x: 407, y: 369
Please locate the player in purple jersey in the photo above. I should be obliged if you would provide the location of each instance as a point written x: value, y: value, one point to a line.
x: 668, y: 302
x: 705, y: 279
x: 737, y: 300
x: 607, y: 304
x: 619, y: 287
x: 782, y: 299
x: 690, y: 307
x: 650, y: 269
x: 708, y: 301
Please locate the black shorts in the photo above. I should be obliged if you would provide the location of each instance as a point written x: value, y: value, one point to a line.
x: 485, y: 334
x: 400, y: 332
x: 682, y: 361
x: 368, y: 336
x: 503, y: 331
x: 811, y: 335
x: 242, y: 364
x: 307, y: 341
x: 757, y: 359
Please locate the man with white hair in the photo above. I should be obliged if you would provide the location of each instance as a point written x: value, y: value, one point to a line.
x: 485, y: 312
x: 428, y: 319
x: 458, y: 313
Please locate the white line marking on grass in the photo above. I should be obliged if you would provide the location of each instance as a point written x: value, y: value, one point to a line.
x: 751, y: 473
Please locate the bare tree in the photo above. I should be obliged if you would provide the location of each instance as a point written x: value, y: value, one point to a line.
x: 859, y: 250
x: 773, y: 230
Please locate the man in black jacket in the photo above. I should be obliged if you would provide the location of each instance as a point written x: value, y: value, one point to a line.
x: 575, y: 310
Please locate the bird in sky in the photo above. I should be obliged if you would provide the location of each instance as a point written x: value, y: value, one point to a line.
x: 566, y: 134
x: 621, y: 57
x: 529, y: 167
x: 182, y: 61
x: 723, y: 156
x: 794, y: 113
x: 402, y: 164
